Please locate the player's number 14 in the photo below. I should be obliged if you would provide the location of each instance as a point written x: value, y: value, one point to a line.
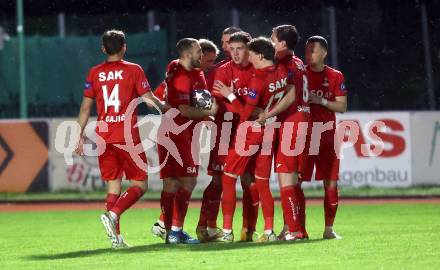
x: 113, y: 100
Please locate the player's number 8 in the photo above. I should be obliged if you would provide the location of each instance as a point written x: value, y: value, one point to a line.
x: 305, y: 89
x: 113, y: 100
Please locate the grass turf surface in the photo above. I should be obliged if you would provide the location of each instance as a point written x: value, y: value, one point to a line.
x: 390, y: 236
x: 154, y: 195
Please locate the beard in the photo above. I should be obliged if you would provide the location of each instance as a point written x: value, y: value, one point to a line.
x: 196, y: 63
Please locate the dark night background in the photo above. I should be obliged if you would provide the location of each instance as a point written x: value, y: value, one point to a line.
x: 380, y: 45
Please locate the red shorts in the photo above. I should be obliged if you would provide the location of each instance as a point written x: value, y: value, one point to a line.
x: 216, y: 159
x: 258, y: 164
x: 291, y: 157
x: 115, y: 162
x: 326, y: 161
x: 216, y: 162
x: 170, y: 167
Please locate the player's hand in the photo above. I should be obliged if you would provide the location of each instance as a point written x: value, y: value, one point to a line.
x: 262, y: 117
x: 165, y: 106
x: 256, y: 112
x: 222, y: 88
x: 315, y: 99
x: 213, y: 110
x: 79, y: 150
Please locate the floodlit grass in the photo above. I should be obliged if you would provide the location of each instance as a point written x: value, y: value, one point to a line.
x: 152, y: 195
x: 393, y: 236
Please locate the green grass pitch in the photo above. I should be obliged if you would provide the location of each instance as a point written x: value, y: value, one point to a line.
x: 390, y: 236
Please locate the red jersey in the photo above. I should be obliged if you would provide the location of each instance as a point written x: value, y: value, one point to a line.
x: 209, y: 76
x: 159, y: 92
x: 296, y: 66
x: 329, y: 83
x: 180, y: 85
x: 114, y: 85
x: 239, y: 77
x: 222, y: 62
x: 266, y: 88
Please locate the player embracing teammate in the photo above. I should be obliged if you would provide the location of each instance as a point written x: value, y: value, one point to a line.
x: 179, y: 172
x: 253, y: 143
x: 290, y: 157
x: 262, y: 85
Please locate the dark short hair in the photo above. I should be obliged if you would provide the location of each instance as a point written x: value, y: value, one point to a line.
x: 208, y: 46
x: 264, y: 46
x: 113, y: 41
x: 184, y: 45
x: 287, y: 33
x: 240, y: 37
x: 231, y: 30
x: 321, y: 40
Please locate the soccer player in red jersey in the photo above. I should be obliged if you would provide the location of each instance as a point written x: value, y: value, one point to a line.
x: 237, y: 72
x: 328, y: 95
x: 179, y: 174
x: 294, y: 128
x: 210, y: 53
x: 270, y: 85
x: 226, y: 35
x: 115, y: 85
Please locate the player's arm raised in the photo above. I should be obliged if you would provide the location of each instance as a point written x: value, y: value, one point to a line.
x: 83, y: 118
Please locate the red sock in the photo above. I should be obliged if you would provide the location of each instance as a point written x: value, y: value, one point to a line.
x: 214, y: 206
x: 330, y: 204
x: 109, y: 203
x: 229, y: 200
x: 267, y: 202
x: 210, y: 206
x: 246, y: 201
x: 180, y: 208
x: 255, y: 201
x: 166, y: 205
x: 162, y: 217
x: 290, y: 204
x: 127, y: 199
x: 302, y: 206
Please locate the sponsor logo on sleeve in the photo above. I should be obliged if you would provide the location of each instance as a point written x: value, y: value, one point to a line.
x: 87, y: 85
x: 253, y: 93
x: 145, y: 84
x: 342, y: 87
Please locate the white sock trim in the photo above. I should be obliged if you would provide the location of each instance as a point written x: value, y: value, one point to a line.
x: 113, y: 215
x: 161, y: 223
x: 176, y: 229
